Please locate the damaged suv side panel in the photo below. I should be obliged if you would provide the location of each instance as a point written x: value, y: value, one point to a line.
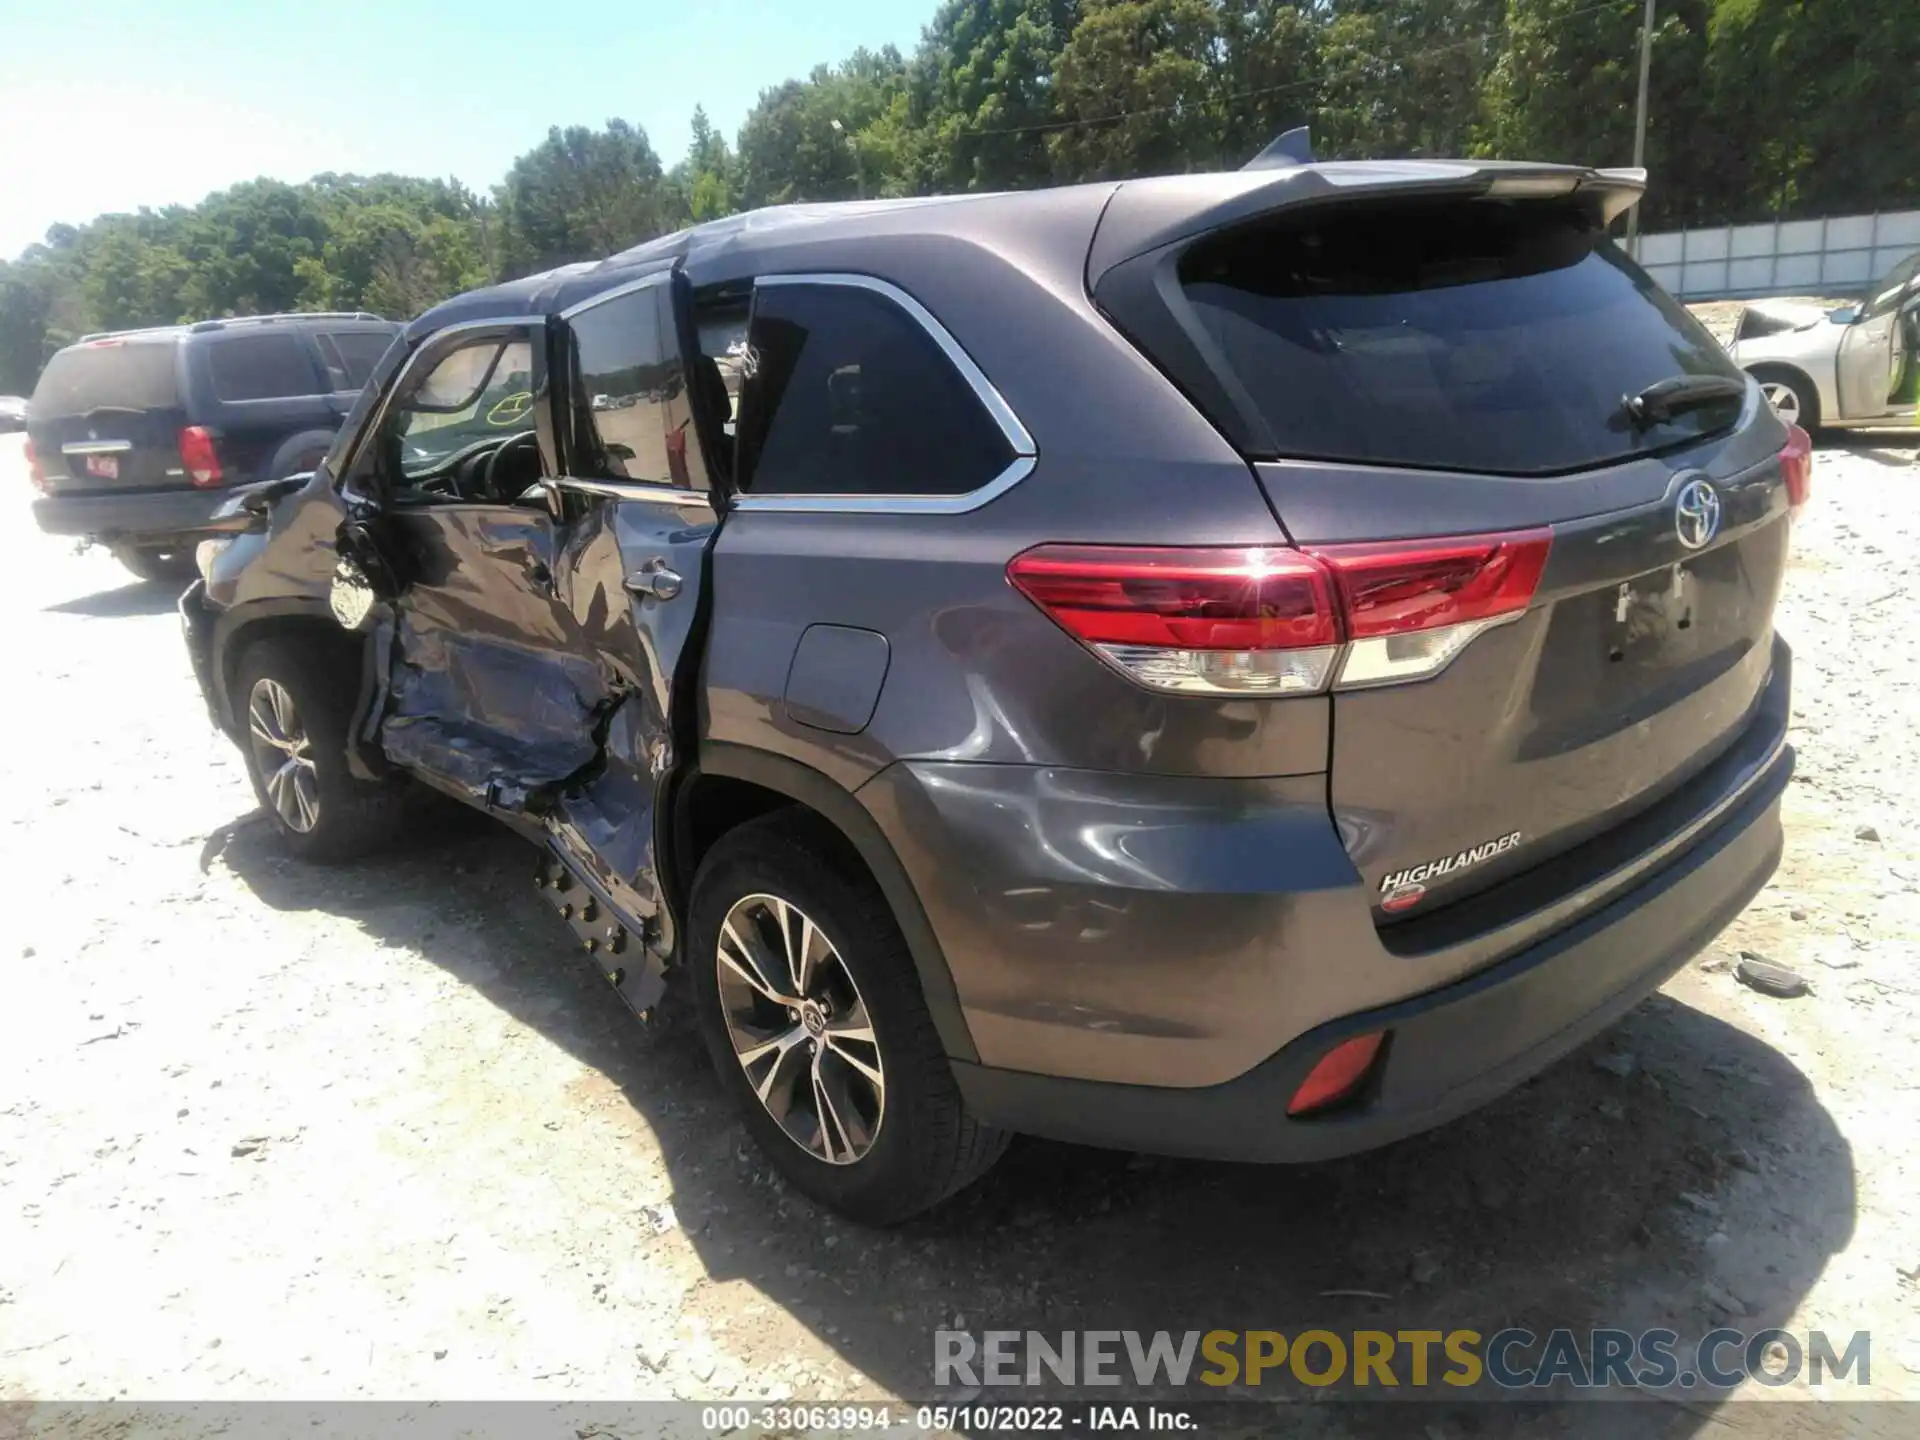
x: 511, y: 549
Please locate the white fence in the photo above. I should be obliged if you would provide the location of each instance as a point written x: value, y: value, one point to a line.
x: 1835, y: 257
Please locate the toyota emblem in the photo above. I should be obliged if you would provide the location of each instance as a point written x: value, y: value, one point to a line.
x: 1696, y: 514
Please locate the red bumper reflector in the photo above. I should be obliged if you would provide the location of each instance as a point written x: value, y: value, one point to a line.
x: 1340, y: 1072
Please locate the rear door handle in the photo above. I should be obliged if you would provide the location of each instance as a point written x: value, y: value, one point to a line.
x: 655, y: 579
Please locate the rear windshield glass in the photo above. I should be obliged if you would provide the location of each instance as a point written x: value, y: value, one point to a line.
x: 109, y: 374
x: 1466, y: 335
x: 261, y: 367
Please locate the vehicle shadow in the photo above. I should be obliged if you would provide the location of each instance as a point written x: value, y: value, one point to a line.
x: 1898, y: 449
x: 1691, y: 1181
x: 142, y: 597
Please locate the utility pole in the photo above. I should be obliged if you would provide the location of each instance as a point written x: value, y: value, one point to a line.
x: 1640, y: 126
x: 859, y: 168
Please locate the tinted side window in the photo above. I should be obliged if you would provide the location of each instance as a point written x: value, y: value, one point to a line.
x: 631, y: 417
x: 352, y: 354
x: 846, y: 394
x: 261, y: 367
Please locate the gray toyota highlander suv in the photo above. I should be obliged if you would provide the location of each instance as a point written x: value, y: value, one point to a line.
x: 1245, y: 665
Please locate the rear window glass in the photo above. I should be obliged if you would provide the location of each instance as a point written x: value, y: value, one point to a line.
x: 261, y: 367
x: 1464, y: 335
x: 352, y: 354
x: 112, y: 374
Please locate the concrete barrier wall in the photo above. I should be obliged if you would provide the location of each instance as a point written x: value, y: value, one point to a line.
x: 1838, y: 256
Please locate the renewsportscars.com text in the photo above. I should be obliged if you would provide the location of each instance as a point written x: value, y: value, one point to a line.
x: 1384, y: 1360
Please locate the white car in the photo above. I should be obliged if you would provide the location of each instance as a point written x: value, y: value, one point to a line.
x: 1855, y: 366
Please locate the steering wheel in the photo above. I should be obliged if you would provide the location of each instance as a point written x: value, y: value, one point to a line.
x: 495, y: 473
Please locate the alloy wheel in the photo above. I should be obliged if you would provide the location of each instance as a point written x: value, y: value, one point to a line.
x: 283, y: 753
x: 800, y: 1029
x: 1784, y: 399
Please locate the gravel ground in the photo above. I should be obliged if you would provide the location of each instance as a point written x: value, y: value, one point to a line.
x: 269, y: 1130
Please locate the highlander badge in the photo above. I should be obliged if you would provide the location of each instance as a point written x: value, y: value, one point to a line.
x: 1403, y: 889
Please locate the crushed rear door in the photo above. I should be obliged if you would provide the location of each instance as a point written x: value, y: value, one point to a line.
x: 1433, y: 366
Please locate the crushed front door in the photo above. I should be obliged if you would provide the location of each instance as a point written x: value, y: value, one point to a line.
x: 540, y: 656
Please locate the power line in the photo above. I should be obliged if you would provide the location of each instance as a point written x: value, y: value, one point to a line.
x: 1119, y: 115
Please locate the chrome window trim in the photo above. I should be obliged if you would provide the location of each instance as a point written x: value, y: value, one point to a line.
x: 632, y: 490
x: 1025, y: 452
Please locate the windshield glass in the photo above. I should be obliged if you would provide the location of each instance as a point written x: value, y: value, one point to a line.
x: 478, y: 393
x: 1460, y: 335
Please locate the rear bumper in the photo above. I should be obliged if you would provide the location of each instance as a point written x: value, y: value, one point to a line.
x: 1154, y: 963
x: 155, y: 516
x: 1451, y: 1049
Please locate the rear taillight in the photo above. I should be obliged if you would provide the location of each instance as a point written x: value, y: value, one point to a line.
x: 1276, y: 621
x: 1796, y: 464
x: 1338, y: 1076
x: 37, y: 472
x: 198, y: 456
x: 1410, y: 607
x: 1241, y: 621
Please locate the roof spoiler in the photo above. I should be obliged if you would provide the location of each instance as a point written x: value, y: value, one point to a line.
x: 1295, y: 147
x: 1619, y: 190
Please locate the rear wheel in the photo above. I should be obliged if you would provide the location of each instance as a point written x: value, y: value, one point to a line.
x: 157, y: 562
x: 813, y: 1016
x: 1793, y: 399
x: 296, y: 707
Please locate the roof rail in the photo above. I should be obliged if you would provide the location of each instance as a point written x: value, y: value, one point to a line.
x: 122, y: 334
x: 202, y: 326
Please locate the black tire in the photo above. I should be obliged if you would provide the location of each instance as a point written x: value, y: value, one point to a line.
x: 1806, y: 399
x: 149, y: 562
x: 927, y: 1145
x: 351, y: 816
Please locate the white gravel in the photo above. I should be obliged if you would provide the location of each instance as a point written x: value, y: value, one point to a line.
x: 268, y: 1130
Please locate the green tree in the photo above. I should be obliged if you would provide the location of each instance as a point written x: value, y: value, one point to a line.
x: 1136, y: 81
x: 983, y: 93
x: 832, y: 136
x: 581, y: 195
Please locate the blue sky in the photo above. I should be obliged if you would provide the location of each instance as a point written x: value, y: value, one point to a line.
x: 112, y: 104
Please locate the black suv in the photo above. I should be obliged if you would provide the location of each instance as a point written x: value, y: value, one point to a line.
x: 133, y: 435
x: 1246, y: 665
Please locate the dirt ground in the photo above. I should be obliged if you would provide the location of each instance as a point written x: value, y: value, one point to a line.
x: 269, y: 1130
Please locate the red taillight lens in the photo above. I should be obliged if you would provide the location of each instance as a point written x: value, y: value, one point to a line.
x: 198, y: 456
x: 1401, y: 586
x: 36, y: 472
x: 1796, y: 464
x: 1341, y: 1071
x: 1194, y: 599
x: 1208, y: 621
x: 1277, y: 621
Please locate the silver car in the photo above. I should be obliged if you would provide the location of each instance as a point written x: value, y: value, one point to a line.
x: 1855, y: 366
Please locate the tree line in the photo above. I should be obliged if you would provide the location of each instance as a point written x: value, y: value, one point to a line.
x: 1760, y: 108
